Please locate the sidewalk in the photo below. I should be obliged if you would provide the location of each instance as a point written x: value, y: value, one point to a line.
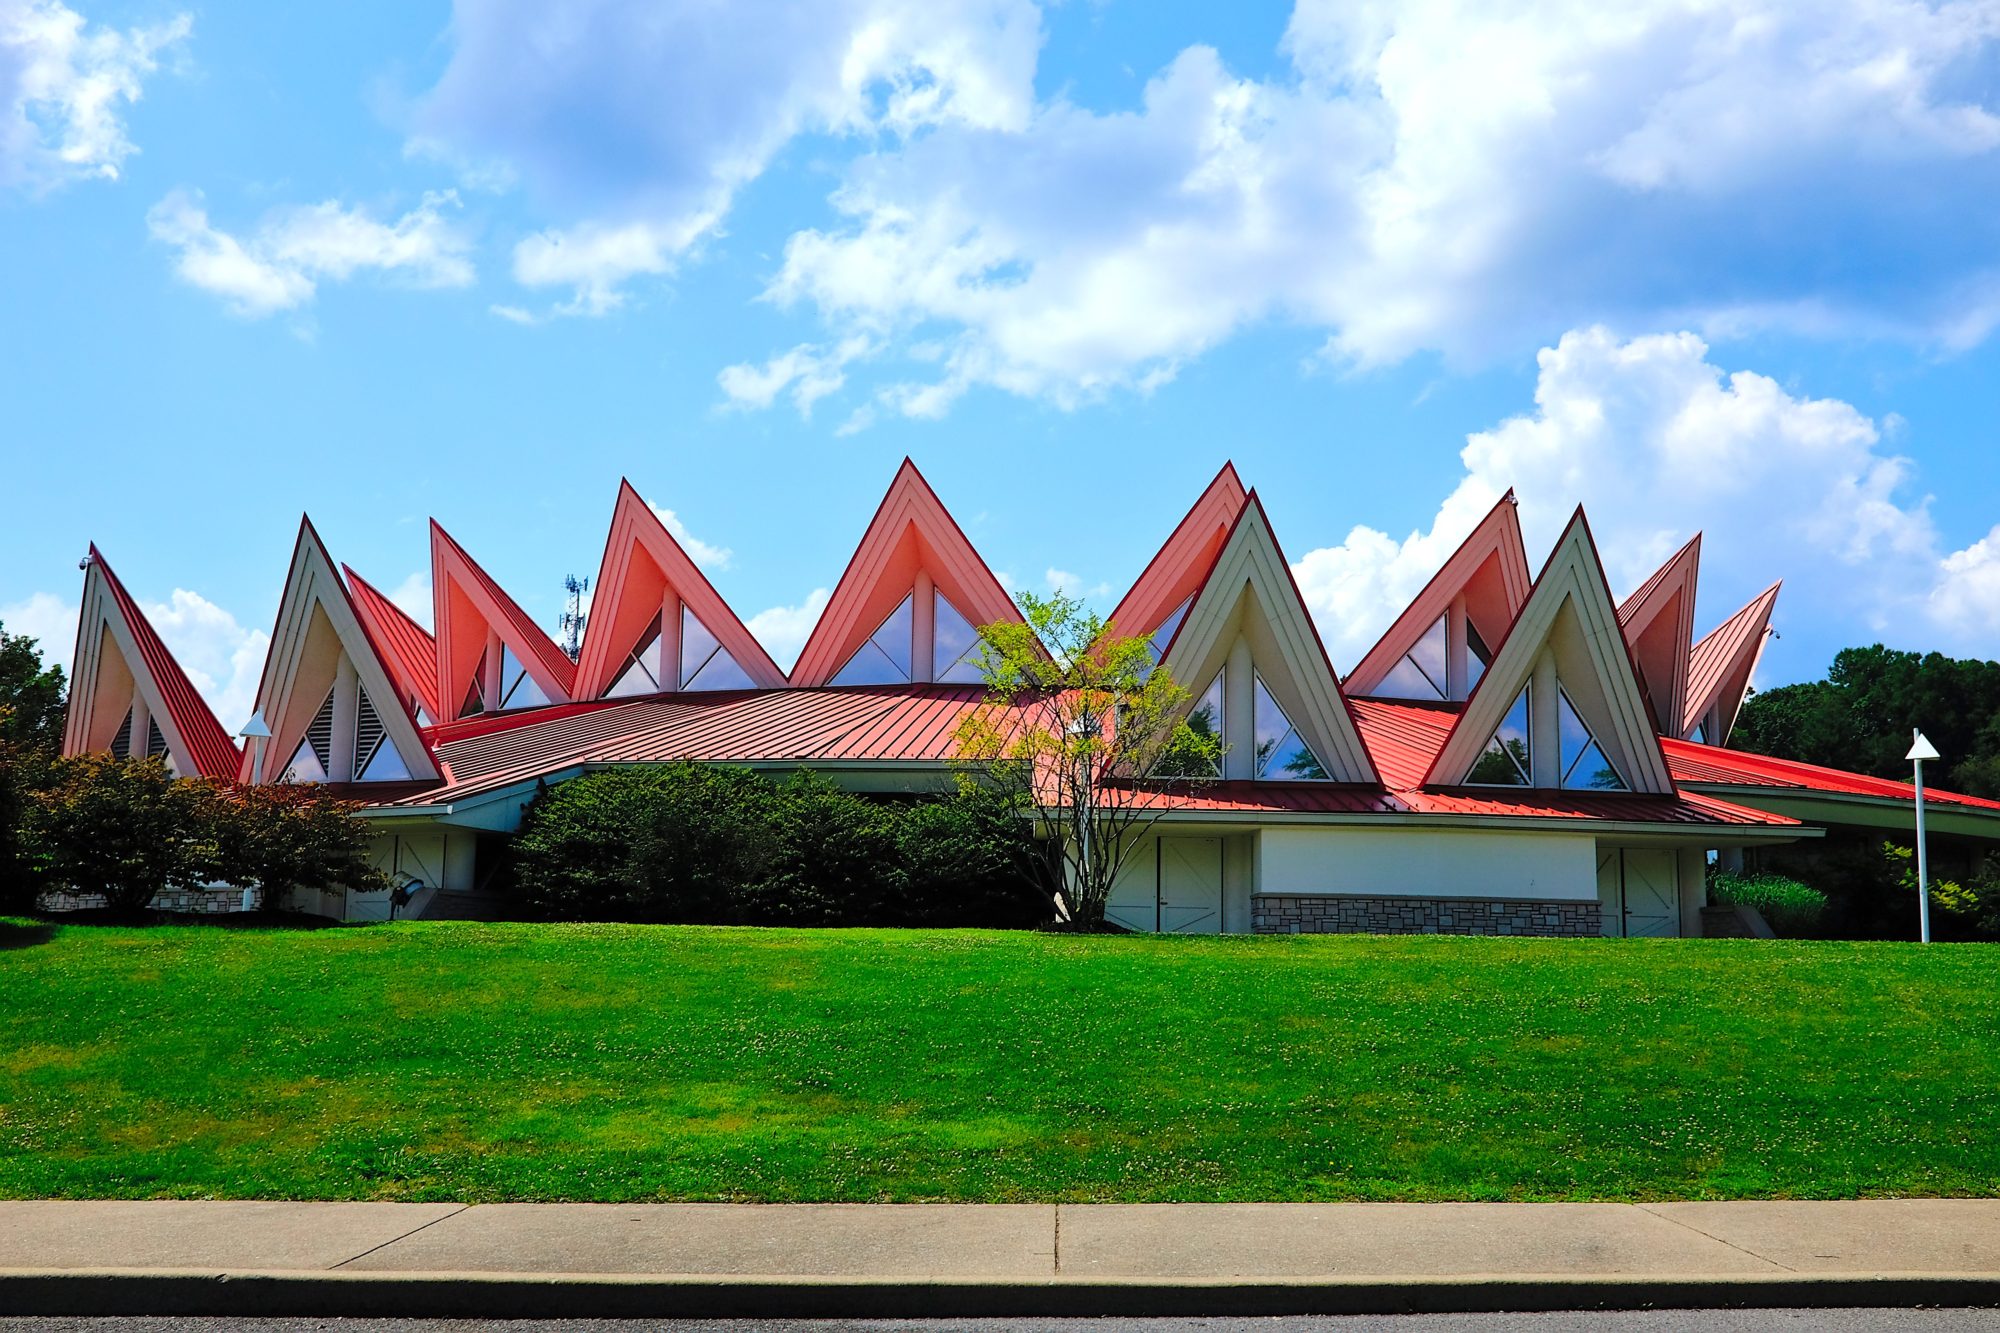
x: 576, y: 1260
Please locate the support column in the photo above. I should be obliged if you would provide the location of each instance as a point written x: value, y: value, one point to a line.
x: 923, y: 629
x: 142, y: 718
x: 1545, y: 722
x: 1457, y: 661
x: 1239, y: 710
x: 670, y: 640
x: 489, y: 685
x: 346, y: 708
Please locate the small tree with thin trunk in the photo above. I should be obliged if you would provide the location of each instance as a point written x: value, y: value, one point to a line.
x: 1083, y: 730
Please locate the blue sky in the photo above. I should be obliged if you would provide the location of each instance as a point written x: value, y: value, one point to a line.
x: 1732, y: 265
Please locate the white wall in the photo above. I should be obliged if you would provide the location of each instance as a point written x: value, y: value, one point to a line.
x: 1427, y: 863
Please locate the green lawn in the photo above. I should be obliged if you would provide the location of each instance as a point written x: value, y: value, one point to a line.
x: 456, y: 1061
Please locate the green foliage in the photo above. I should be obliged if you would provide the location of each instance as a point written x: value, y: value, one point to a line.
x: 122, y: 828
x: 461, y: 1061
x: 31, y: 695
x: 23, y: 771
x: 1083, y: 728
x: 290, y: 836
x: 1968, y: 908
x: 701, y: 843
x: 1792, y: 909
x: 1859, y: 718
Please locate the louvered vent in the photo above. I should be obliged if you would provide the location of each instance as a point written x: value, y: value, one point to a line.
x: 156, y: 744
x: 367, y: 732
x: 319, y: 734
x: 121, y: 744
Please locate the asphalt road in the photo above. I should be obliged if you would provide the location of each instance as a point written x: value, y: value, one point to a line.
x: 1653, y: 1321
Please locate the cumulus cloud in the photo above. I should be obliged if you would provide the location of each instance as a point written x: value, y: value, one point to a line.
x: 702, y: 553
x: 278, y: 267
x: 1657, y: 442
x: 1061, y: 580
x: 643, y: 120
x: 221, y: 657
x: 1441, y: 175
x: 413, y: 597
x: 807, y: 373
x: 64, y: 85
x: 783, y: 630
x: 48, y: 619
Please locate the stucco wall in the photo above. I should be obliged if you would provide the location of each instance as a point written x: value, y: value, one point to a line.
x: 1428, y: 864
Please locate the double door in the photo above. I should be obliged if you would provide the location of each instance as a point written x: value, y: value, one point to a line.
x: 1639, y: 891
x: 1174, y: 887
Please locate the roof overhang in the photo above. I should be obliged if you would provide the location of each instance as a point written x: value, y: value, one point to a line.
x: 1883, y: 812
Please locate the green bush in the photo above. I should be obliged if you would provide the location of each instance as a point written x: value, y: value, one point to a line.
x: 696, y: 843
x: 1793, y: 909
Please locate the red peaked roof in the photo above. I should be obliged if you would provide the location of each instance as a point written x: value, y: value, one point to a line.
x: 1714, y: 765
x: 1722, y: 651
x: 449, y: 561
x: 214, y: 754
x: 1178, y: 568
x: 405, y: 647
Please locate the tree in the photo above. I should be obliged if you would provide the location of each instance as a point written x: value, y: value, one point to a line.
x: 23, y: 770
x: 290, y: 836
x: 1084, y: 731
x: 31, y: 695
x: 122, y: 828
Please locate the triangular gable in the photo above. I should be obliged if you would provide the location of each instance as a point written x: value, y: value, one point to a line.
x: 1565, y: 636
x: 317, y: 631
x: 471, y: 611
x: 912, y: 541
x: 1249, y: 611
x: 644, y: 574
x: 1489, y: 570
x: 1173, y: 576
x: 1658, y: 620
x: 1720, y: 667
x: 122, y: 672
x: 408, y: 650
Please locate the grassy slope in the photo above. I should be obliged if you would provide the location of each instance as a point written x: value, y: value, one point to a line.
x: 428, y: 1061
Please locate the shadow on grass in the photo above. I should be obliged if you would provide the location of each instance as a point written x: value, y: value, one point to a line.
x: 24, y: 934
x: 126, y: 919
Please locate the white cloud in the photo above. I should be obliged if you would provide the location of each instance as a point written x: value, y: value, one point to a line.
x: 47, y: 618
x: 809, y: 372
x: 643, y: 120
x: 1657, y: 442
x: 63, y: 88
x: 279, y: 265
x: 413, y: 597
x: 1445, y: 175
x: 513, y: 314
x: 699, y: 551
x: 1060, y: 580
x: 222, y: 658
x: 783, y: 630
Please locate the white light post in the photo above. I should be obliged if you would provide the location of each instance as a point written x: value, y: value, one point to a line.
x: 1920, y: 750
x: 256, y: 731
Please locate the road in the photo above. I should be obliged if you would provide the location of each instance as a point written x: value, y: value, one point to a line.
x: 1654, y: 1321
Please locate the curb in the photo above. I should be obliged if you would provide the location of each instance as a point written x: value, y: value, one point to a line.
x: 206, y: 1292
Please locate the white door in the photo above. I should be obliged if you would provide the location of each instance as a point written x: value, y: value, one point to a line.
x: 1191, y: 886
x: 1639, y: 890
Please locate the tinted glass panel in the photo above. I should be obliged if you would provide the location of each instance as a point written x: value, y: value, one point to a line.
x: 305, y: 765
x: 885, y: 658
x: 1164, y: 635
x: 954, y: 646
x: 1406, y: 680
x: 1477, y: 656
x: 1429, y: 656
x: 1584, y: 766
x: 386, y: 764
x: 642, y: 669
x: 1508, y: 760
x: 721, y: 673
x: 1280, y: 751
x: 869, y: 666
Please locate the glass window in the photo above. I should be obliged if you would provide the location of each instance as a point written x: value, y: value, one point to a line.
x: 705, y: 663
x: 386, y: 764
x: 475, y: 693
x: 305, y: 765
x: 1280, y: 751
x: 641, y: 674
x: 1584, y: 767
x: 1205, y: 718
x: 885, y: 658
x: 1508, y: 760
x: 1477, y: 656
x: 1164, y: 635
x: 1419, y: 673
x: 955, y: 649
x: 517, y: 687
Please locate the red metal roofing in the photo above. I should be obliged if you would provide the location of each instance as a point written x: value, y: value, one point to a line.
x: 552, y: 658
x: 1713, y: 765
x: 1721, y: 651
x: 407, y: 648
x: 209, y: 746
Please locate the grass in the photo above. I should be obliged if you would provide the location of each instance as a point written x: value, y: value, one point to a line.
x: 484, y: 1062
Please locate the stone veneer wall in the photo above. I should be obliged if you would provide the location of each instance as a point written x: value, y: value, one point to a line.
x: 1315, y: 914
x: 201, y: 902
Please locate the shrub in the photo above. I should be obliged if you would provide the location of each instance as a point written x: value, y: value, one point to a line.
x: 122, y: 828
x: 287, y: 836
x: 971, y: 860
x: 22, y: 772
x: 673, y: 843
x: 833, y: 860
x: 1791, y: 908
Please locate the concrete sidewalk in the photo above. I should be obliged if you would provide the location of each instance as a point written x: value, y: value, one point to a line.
x: 497, y: 1260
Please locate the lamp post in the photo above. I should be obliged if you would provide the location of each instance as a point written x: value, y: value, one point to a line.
x: 1920, y: 750
x: 256, y: 731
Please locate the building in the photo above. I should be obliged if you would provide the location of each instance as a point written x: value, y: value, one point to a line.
x: 1520, y: 753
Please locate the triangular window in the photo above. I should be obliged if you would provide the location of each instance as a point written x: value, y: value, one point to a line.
x: 705, y: 663
x: 475, y: 693
x: 642, y: 667
x: 121, y: 744
x: 423, y: 715
x: 305, y: 765
x: 376, y: 758
x: 517, y: 687
x: 1419, y: 673
x: 1584, y: 767
x: 885, y: 658
x: 315, y: 753
x: 1205, y: 718
x: 955, y: 651
x: 1164, y: 635
x: 1280, y: 751
x: 1509, y: 757
x: 1699, y: 735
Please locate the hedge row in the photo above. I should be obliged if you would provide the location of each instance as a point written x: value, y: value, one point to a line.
x: 698, y: 843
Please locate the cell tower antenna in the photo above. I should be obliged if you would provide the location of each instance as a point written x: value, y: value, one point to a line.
x: 574, y: 616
